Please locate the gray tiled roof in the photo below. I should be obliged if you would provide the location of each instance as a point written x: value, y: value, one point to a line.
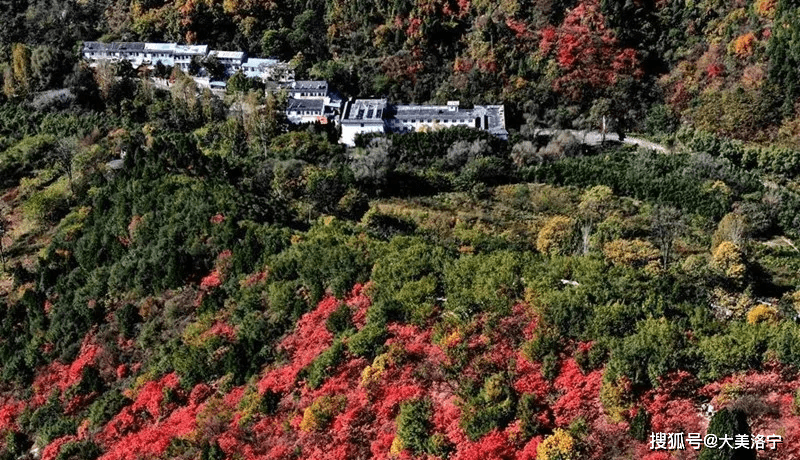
x: 309, y: 84
x: 305, y: 104
x: 113, y: 46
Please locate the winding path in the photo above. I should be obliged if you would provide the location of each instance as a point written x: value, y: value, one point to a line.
x: 596, y: 137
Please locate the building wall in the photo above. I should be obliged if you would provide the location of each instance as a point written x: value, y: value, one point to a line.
x: 351, y: 129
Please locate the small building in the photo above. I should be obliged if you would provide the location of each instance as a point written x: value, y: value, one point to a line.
x: 184, y: 54
x: 258, y: 67
x: 306, y: 110
x: 231, y: 60
x: 114, y: 52
x: 281, y: 72
x: 362, y: 116
x: 308, y: 89
x: 160, y: 52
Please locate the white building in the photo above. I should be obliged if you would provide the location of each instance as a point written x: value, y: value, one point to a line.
x: 258, y: 67
x: 231, y: 60
x: 376, y: 115
x: 172, y: 54
x: 307, y: 89
x: 184, y: 54
x: 362, y: 116
x: 160, y: 52
x: 306, y: 111
x: 114, y: 52
x: 310, y: 101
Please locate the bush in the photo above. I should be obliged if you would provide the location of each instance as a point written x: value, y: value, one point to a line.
x: 414, y: 425
x: 79, y: 450
x: 369, y: 341
x: 556, y: 236
x: 340, y: 320
x: 321, y: 412
x: 658, y: 347
x: 321, y: 368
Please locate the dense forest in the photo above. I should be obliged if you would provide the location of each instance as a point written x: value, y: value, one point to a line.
x: 188, y: 276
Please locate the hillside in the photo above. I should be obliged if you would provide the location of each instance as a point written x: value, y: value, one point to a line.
x: 189, y: 276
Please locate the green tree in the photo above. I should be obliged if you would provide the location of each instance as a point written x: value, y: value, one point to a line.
x: 594, y: 206
x: 728, y: 423
x: 666, y: 224
x: 414, y: 425
x: 657, y: 347
x: 783, y: 50
x: 214, y: 67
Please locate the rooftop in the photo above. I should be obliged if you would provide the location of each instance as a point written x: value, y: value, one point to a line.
x: 308, y: 84
x: 160, y: 46
x: 305, y: 104
x: 191, y: 49
x: 113, y: 46
x: 365, y: 109
x: 227, y: 54
x: 258, y: 62
x: 432, y: 111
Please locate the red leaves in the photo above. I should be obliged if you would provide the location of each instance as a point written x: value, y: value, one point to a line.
x: 580, y: 396
x: 587, y: 52
x: 211, y: 281
x: 359, y: 303
x: 493, y: 446
x: 309, y: 339
x: 221, y: 329
x: 52, y: 450
x: 530, y: 379
x: 9, y: 410
x: 59, y: 377
x: 519, y: 27
x: 715, y: 70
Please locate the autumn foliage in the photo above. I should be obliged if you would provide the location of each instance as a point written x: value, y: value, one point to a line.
x: 587, y: 52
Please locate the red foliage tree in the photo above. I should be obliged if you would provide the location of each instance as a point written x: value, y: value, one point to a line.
x: 493, y: 446
x: 587, y: 52
x: 580, y: 394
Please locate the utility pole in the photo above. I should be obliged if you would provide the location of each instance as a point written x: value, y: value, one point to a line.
x: 603, y: 141
x: 2, y: 235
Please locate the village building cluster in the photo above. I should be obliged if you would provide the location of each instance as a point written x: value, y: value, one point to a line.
x: 309, y: 101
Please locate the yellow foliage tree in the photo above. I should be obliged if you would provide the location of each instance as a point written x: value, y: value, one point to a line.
x: 728, y: 258
x: 766, y: 8
x: 556, y: 235
x: 17, y: 77
x: 558, y: 446
x: 762, y: 314
x: 743, y: 45
x: 320, y: 413
x: 635, y: 253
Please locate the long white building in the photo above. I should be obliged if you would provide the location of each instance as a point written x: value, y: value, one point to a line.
x: 363, y: 116
x: 173, y: 54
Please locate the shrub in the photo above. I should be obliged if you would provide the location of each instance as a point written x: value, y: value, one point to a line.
x: 369, y: 340
x: 728, y: 258
x: 763, y: 314
x: 414, y: 425
x: 634, y: 253
x: 321, y: 412
x: 556, y: 236
x: 319, y: 370
x: 558, y: 446
x: 340, y: 320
